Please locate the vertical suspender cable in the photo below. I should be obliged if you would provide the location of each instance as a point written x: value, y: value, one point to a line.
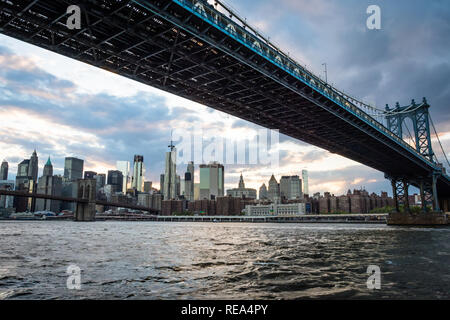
x: 437, y: 136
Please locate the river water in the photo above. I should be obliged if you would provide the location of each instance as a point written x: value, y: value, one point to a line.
x: 158, y: 260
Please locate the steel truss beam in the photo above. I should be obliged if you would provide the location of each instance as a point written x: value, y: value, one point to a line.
x: 420, y: 118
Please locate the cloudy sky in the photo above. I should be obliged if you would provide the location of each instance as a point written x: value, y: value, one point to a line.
x: 63, y: 107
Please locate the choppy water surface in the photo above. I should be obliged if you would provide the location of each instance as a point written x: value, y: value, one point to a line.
x: 155, y: 260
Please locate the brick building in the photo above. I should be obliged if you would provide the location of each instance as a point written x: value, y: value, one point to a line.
x: 358, y: 201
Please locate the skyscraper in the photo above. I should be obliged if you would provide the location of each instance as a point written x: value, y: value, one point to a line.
x: 148, y: 186
x: 274, y: 189
x: 290, y: 187
x: 305, y: 181
x: 263, y: 192
x: 137, y: 181
x: 33, y: 168
x: 101, y: 180
x: 124, y: 167
x: 196, y: 191
x: 22, y: 169
x: 5, y: 184
x: 26, y: 180
x: 189, y: 182
x: 115, y: 179
x: 48, y: 168
x: 90, y: 174
x: 178, y: 186
x: 22, y: 184
x: 73, y: 169
x: 211, y: 180
x: 4, y: 170
x: 161, y: 183
x: 50, y: 185
x: 182, y: 188
x: 6, y: 201
x: 170, y: 175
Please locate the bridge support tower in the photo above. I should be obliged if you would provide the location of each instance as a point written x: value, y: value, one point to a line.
x: 431, y: 206
x: 427, y: 185
x: 86, y: 190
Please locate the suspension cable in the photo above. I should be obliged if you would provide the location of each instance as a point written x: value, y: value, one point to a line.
x: 439, y: 140
x: 410, y: 136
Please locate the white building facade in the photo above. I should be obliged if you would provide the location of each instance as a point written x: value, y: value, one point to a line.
x: 274, y: 209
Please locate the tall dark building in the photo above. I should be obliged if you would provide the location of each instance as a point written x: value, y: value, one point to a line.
x: 90, y: 174
x: 115, y: 178
x: 189, y: 182
x: 73, y: 169
x: 4, y: 170
x: 33, y: 168
x: 22, y: 184
x: 101, y: 180
x: 22, y: 169
x: 147, y: 186
x: 49, y: 185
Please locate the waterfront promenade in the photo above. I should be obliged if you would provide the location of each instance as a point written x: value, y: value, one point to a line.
x: 324, y: 218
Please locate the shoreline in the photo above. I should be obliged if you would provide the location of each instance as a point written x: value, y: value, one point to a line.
x: 326, y: 218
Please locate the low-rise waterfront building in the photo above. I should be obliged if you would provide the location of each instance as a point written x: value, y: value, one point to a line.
x: 275, y: 209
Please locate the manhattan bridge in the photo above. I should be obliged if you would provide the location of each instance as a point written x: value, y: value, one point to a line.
x: 205, y: 52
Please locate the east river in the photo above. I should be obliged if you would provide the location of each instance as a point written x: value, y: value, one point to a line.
x: 193, y: 260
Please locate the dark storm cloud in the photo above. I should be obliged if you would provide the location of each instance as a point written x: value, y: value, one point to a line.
x: 407, y: 59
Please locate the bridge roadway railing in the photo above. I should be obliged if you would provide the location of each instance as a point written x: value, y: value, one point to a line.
x: 256, y: 42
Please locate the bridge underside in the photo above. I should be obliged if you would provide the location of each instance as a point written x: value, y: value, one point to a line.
x: 180, y: 53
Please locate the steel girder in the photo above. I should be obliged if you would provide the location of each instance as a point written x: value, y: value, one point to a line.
x: 420, y: 119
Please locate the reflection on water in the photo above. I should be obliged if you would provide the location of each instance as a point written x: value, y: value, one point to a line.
x: 155, y: 260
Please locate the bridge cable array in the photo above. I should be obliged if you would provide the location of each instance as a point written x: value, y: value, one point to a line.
x: 439, y: 141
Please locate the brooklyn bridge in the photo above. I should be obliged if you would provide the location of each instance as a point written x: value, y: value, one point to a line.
x: 205, y: 52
